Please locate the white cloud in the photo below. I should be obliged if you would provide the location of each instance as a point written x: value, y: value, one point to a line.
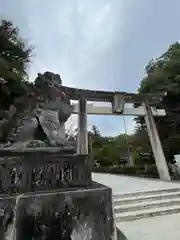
x: 72, y: 123
x: 79, y: 39
x: 115, y: 127
x: 102, y: 17
x: 130, y: 124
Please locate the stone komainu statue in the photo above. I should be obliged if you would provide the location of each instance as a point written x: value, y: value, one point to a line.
x: 37, y: 119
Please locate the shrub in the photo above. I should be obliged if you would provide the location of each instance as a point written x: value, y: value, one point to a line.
x: 139, y: 171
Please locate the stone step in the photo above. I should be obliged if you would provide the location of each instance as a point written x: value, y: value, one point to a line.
x: 152, y: 192
x: 146, y: 213
x: 146, y: 205
x: 138, y: 199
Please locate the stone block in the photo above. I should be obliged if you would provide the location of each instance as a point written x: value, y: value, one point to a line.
x: 70, y: 215
x: 34, y: 171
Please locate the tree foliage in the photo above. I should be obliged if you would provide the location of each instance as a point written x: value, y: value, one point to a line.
x: 163, y: 75
x: 108, y: 151
x: 15, y: 56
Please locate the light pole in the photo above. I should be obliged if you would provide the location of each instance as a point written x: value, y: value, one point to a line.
x: 126, y: 139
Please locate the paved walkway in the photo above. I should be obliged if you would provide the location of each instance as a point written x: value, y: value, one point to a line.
x: 156, y: 228
x: 125, y: 184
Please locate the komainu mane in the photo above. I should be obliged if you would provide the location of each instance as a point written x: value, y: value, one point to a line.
x: 37, y: 119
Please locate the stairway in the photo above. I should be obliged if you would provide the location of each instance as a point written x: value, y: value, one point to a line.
x: 133, y: 206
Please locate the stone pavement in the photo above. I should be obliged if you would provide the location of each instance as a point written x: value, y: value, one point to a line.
x: 164, y: 227
x: 156, y: 228
x: 124, y: 184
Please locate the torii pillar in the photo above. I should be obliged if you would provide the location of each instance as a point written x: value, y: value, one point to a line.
x: 82, y: 138
x: 156, y: 144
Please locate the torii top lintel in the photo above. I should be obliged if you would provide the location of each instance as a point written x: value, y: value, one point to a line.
x: 108, y: 96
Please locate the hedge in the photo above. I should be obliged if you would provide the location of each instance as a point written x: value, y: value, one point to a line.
x: 140, y: 171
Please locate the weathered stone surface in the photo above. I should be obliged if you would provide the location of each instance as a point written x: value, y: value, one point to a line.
x: 7, y: 209
x: 46, y: 190
x: 79, y: 209
x: 74, y: 215
x: 31, y: 171
x: 38, y: 117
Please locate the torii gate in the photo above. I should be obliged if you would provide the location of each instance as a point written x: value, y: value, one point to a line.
x: 118, y: 100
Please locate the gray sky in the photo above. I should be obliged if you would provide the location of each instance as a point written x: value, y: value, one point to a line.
x: 96, y: 44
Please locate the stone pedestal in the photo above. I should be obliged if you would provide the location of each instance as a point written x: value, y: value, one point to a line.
x: 73, y: 209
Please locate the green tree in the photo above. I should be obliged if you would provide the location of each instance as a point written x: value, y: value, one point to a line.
x: 163, y: 75
x: 96, y: 138
x: 95, y: 131
x: 15, y: 56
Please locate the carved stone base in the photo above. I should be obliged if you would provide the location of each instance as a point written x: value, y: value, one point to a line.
x: 71, y: 214
x: 31, y: 171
